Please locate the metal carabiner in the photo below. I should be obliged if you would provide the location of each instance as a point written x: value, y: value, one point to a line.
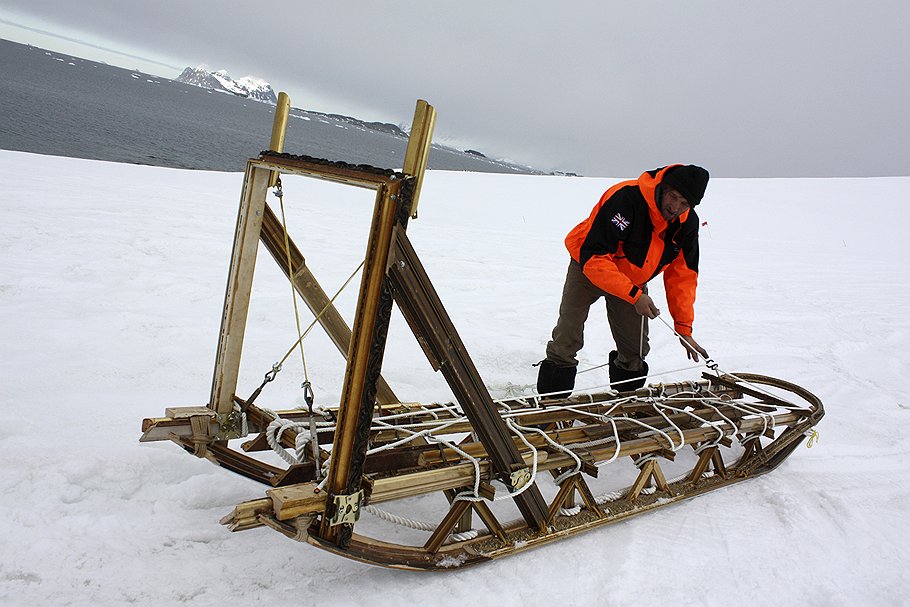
x: 308, y: 396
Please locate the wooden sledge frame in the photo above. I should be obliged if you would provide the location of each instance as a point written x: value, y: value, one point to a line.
x: 391, y: 263
x: 393, y: 273
x: 518, y: 535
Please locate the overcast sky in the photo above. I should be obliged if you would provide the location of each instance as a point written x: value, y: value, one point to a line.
x: 745, y: 88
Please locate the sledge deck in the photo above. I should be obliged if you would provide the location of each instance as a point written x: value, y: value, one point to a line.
x: 529, y: 469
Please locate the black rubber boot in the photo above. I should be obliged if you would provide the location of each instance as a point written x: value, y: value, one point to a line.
x: 619, y: 377
x: 551, y: 378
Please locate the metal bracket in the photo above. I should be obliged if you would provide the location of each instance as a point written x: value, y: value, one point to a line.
x: 347, y: 509
x: 230, y: 425
x: 520, y: 478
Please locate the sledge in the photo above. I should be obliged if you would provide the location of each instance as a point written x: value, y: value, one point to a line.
x: 491, y: 477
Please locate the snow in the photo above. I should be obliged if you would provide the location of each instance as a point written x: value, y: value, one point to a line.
x: 110, y: 301
x: 252, y: 83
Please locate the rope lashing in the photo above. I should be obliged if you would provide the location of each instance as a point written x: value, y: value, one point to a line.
x: 201, y: 434
x: 306, y: 435
x: 323, y: 311
x: 279, y: 193
x: 276, y: 368
x: 269, y: 377
x: 476, y: 497
x: 419, y: 525
x: 273, y: 436
x: 571, y: 471
x: 711, y: 364
x: 813, y: 435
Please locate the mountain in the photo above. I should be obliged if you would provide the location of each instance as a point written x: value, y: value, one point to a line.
x: 248, y: 86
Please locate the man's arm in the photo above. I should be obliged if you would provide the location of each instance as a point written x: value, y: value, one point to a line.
x: 680, y: 283
x: 600, y: 238
x: 645, y: 306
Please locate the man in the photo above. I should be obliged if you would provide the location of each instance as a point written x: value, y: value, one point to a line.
x: 637, y: 230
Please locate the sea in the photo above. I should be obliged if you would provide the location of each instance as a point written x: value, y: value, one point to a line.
x: 53, y: 103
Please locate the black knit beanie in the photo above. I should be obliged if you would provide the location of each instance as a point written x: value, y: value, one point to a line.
x: 689, y: 180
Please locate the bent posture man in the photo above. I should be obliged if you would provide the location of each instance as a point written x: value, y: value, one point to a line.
x: 637, y: 230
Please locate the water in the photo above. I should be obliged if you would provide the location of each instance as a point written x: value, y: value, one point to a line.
x: 56, y: 104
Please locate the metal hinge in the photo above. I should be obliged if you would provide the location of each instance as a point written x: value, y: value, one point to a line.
x: 347, y: 509
x: 520, y: 478
x: 230, y: 425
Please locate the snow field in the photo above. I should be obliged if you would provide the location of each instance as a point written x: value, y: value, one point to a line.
x: 111, y: 291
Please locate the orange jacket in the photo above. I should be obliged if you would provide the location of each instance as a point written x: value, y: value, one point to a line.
x: 626, y: 242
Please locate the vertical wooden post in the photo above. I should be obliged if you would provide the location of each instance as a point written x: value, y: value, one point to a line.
x: 347, y: 452
x: 237, y: 294
x: 370, y: 323
x: 279, y: 129
x: 418, y: 152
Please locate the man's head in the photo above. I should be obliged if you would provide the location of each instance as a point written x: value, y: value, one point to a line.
x: 683, y: 187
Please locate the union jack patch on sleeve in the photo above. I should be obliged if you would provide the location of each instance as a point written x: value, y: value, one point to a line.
x: 621, y: 222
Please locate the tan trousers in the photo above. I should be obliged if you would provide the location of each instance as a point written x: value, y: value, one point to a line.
x: 629, y: 328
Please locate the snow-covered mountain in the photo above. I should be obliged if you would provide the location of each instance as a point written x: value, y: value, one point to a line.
x: 248, y: 86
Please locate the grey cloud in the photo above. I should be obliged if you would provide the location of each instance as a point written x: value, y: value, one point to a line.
x: 602, y: 88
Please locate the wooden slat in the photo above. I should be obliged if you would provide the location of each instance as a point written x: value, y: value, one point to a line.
x: 446, y: 526
x: 702, y: 465
x: 297, y: 500
x: 420, y: 305
x: 418, y: 150
x: 239, y: 285
x: 644, y: 476
x: 246, y: 514
x: 486, y: 515
x: 719, y: 466
x: 334, y: 172
x: 566, y: 490
x: 587, y: 497
x: 659, y: 479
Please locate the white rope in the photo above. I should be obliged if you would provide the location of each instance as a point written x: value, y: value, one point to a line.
x: 461, y: 536
x: 713, y: 366
x: 476, y: 497
x: 572, y: 471
x: 608, y: 497
x: 321, y: 312
x: 473, y: 460
x: 273, y: 436
x: 399, y: 520
x: 447, y: 416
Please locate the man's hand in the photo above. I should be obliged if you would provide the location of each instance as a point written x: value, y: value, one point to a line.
x: 645, y: 306
x: 692, y: 347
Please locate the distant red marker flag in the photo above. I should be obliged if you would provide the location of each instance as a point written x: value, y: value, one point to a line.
x: 704, y: 224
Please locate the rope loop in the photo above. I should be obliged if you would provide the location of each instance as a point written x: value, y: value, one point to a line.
x: 813, y: 435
